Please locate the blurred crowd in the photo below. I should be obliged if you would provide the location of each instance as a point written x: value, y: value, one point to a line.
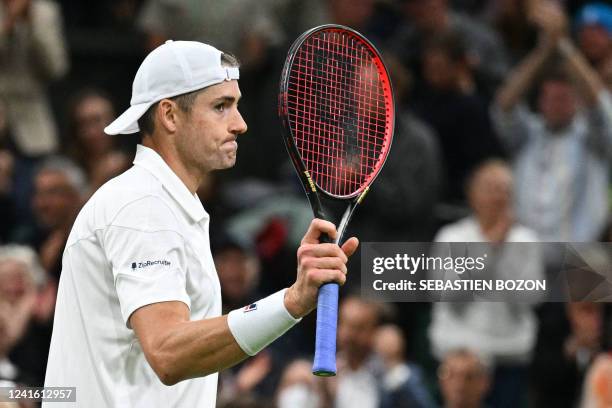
x: 503, y: 134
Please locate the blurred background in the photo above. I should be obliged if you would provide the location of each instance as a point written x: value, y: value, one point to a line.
x: 503, y: 133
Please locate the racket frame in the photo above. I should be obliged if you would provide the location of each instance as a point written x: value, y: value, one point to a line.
x: 312, y: 189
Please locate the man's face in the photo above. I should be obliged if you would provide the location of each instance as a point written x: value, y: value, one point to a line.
x: 354, y: 13
x: 595, y: 42
x: 15, y: 281
x: 491, y: 191
x: 55, y: 199
x: 237, y: 272
x: 439, y: 71
x: 427, y: 15
x: 356, y: 328
x: 91, y: 115
x: 463, y: 381
x: 557, y: 103
x: 206, y: 136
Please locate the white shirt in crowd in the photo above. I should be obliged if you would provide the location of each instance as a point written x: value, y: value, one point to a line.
x: 501, y: 332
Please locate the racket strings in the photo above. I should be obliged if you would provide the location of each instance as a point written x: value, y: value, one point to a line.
x: 338, y: 111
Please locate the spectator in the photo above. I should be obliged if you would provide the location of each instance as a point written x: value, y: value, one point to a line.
x: 594, y: 30
x: 598, y: 386
x: 402, y: 381
x: 562, y: 359
x: 88, y: 145
x: 464, y: 379
x: 33, y: 53
x: 359, y: 370
x: 59, y: 188
x: 562, y: 150
x: 299, y: 388
x: 459, y: 116
x: 238, y: 269
x: 415, y: 159
x: 425, y: 18
x: 20, y: 277
x: 504, y: 333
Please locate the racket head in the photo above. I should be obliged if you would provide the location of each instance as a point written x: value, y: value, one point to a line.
x: 337, y: 109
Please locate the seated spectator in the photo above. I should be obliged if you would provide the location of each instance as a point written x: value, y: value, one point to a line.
x: 561, y: 153
x: 359, y: 369
x: 299, y: 388
x: 464, y: 380
x: 59, y: 186
x: 402, y: 381
x: 415, y: 159
x: 504, y: 333
x: 562, y: 358
x: 238, y: 269
x: 20, y: 277
x: 88, y: 145
x: 459, y: 116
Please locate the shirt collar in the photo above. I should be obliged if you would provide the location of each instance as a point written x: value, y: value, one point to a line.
x: 150, y: 160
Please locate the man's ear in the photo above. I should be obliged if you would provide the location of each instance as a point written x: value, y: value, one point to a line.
x: 167, y: 115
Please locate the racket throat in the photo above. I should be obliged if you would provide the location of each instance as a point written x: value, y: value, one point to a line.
x: 343, y: 223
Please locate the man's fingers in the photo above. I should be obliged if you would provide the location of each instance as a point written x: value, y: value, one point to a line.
x: 326, y: 263
x: 322, y: 276
x: 350, y: 246
x: 322, y: 250
x: 316, y: 229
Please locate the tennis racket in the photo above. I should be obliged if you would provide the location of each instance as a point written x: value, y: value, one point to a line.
x: 336, y: 107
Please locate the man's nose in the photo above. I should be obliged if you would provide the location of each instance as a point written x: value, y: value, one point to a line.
x: 238, y: 125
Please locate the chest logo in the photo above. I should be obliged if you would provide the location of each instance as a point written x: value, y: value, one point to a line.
x: 139, y: 265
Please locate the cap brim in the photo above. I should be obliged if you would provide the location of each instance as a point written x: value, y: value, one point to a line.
x: 127, y: 122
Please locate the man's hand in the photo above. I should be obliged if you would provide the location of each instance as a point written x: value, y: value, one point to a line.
x: 551, y: 20
x: 318, y: 263
x: 18, y: 9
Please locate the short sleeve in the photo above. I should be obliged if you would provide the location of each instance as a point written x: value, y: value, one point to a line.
x: 147, y: 256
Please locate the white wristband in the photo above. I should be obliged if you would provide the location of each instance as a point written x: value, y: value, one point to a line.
x: 260, y: 323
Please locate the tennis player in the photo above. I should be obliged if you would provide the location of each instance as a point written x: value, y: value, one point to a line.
x: 138, y: 317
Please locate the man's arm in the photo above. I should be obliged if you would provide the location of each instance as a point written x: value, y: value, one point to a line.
x: 590, y: 83
x: 48, y: 46
x: 521, y: 78
x: 178, y: 349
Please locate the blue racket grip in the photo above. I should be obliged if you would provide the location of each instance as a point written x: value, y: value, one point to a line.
x: 327, y: 322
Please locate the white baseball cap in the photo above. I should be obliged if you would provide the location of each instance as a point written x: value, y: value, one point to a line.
x: 173, y: 68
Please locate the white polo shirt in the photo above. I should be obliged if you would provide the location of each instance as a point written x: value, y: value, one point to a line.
x: 142, y: 238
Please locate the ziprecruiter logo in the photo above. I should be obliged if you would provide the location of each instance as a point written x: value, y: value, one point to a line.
x: 138, y: 265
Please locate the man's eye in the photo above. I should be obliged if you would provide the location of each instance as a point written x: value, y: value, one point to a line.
x: 220, y: 107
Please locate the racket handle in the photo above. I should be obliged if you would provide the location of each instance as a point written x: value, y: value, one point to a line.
x: 327, y: 321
